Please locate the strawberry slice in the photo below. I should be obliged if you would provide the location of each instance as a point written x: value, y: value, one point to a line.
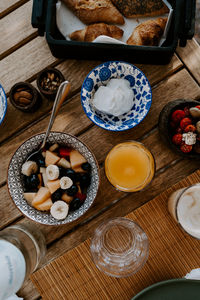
x: 177, y: 115
x: 185, y: 122
x: 190, y: 128
x: 177, y: 139
x: 186, y: 148
x: 64, y: 152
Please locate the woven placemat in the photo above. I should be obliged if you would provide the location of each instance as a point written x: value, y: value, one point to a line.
x: 172, y: 254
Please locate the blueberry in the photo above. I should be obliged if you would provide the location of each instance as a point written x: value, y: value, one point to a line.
x: 75, y: 204
x: 72, y: 190
x: 85, y: 180
x: 71, y: 174
x: 62, y: 172
x: 77, y: 177
x: 86, y: 167
x: 56, y: 195
x: 31, y: 182
x: 38, y: 158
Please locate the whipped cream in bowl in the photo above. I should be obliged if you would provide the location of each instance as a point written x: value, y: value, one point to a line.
x: 116, y: 96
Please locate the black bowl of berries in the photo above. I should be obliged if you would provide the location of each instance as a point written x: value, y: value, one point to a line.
x: 57, y: 185
x: 179, y: 127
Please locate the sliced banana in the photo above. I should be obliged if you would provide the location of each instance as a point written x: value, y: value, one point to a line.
x: 52, y: 172
x: 59, y: 210
x: 65, y: 183
x: 29, y: 167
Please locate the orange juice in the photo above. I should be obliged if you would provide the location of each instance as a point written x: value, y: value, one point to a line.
x: 129, y: 166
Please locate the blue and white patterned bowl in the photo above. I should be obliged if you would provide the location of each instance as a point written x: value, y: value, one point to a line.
x: 3, y: 104
x: 101, y: 75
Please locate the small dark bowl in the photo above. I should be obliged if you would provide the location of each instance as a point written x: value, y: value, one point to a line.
x: 164, y: 125
x: 34, y: 102
x: 47, y: 92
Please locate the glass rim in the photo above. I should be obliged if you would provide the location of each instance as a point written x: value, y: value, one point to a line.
x: 176, y: 208
x: 152, y: 163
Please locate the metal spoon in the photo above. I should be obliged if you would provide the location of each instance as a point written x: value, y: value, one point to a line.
x: 61, y: 95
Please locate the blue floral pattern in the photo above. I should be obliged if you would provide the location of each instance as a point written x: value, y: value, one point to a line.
x: 139, y: 83
x: 3, y: 104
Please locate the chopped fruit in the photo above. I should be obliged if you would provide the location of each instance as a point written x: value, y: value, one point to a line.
x: 40, y: 179
x: 46, y: 205
x: 44, y: 177
x: 186, y: 148
x: 76, y: 159
x: 29, y: 167
x: 185, y: 122
x: 177, y: 139
x: 52, y: 172
x: 71, y: 174
x: 31, y: 182
x: 53, y: 185
x: 86, y: 167
x: 197, y: 106
x: 44, y: 154
x: 51, y: 158
x: 79, y: 170
x: 177, y: 115
x: 64, y: 163
x: 179, y: 130
x: 59, y: 210
x: 85, y: 180
x: 54, y: 147
x: 42, y: 170
x: 81, y: 196
x: 56, y: 195
x: 42, y: 195
x: 75, y: 204
x: 190, y: 128
x: 195, y: 112
x: 186, y: 111
x: 66, y: 198
x: 72, y: 190
x: 29, y: 197
x: 64, y: 152
x: 65, y: 183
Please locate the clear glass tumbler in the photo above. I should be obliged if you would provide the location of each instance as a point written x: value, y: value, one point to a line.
x: 119, y: 247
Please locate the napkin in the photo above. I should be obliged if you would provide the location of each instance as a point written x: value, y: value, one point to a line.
x: 194, y: 274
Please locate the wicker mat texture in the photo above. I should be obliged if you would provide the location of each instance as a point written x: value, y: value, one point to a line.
x: 172, y: 254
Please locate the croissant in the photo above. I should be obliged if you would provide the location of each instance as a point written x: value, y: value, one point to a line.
x: 140, y: 8
x: 94, y: 11
x: 89, y: 33
x: 148, y: 33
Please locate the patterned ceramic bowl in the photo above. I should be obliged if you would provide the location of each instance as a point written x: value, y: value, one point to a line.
x: 138, y: 82
x: 15, y: 185
x: 3, y: 104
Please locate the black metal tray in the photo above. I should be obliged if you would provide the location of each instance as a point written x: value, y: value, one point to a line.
x: 181, y: 29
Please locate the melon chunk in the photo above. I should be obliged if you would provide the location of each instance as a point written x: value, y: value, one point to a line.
x: 79, y: 170
x: 76, y: 159
x: 53, y: 185
x: 64, y: 163
x: 66, y: 198
x: 54, y: 147
x: 51, y: 158
x: 42, y: 195
x: 44, y: 177
x: 29, y: 197
x: 46, y: 205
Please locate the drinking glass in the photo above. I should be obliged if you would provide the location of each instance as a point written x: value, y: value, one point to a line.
x: 119, y: 247
x: 130, y: 166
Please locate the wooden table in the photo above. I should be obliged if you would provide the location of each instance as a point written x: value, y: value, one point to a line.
x: 23, y: 54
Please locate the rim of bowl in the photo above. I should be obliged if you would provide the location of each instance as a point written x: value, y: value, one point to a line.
x: 1, y: 121
x: 98, y: 172
x: 123, y: 62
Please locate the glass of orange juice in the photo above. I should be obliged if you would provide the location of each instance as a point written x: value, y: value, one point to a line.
x: 130, y: 166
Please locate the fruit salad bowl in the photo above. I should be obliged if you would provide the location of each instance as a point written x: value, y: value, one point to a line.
x: 175, y: 121
x: 139, y: 84
x: 36, y: 208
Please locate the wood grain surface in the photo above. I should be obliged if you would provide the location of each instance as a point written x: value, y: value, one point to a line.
x: 23, y: 54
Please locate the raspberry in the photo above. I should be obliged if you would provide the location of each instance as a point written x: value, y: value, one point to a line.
x: 81, y: 196
x: 186, y: 111
x: 178, y: 115
x: 63, y: 152
x: 190, y: 128
x: 186, y: 148
x: 185, y: 122
x: 177, y: 139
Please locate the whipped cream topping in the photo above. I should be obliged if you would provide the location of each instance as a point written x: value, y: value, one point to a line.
x: 189, y: 138
x: 188, y: 211
x: 116, y: 98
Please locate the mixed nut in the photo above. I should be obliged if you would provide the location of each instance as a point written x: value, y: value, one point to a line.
x: 23, y: 96
x: 50, y: 82
x: 185, y: 127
